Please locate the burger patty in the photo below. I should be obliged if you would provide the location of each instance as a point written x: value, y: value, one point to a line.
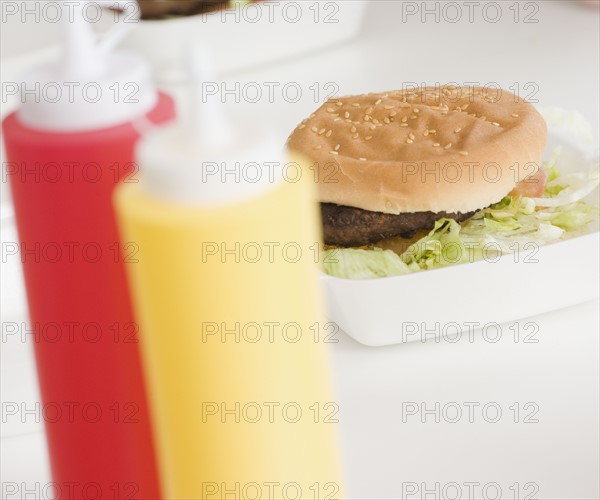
x: 349, y: 226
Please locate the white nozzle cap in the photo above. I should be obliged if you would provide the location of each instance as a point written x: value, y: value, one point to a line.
x: 91, y: 87
x: 207, y: 162
x: 179, y: 170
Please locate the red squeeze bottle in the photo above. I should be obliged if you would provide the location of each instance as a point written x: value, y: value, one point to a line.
x: 65, y: 157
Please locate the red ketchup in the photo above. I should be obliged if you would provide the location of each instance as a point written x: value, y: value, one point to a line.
x: 64, y: 159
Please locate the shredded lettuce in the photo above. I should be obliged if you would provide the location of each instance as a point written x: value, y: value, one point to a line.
x: 357, y: 263
x: 568, y: 188
x: 443, y: 246
x: 505, y: 227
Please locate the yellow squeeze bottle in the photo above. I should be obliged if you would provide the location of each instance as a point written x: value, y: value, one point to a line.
x: 231, y: 324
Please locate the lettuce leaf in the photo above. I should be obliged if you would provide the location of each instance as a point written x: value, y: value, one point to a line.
x: 357, y: 263
x: 442, y: 247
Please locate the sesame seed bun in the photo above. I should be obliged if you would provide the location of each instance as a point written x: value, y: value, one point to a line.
x: 452, y: 149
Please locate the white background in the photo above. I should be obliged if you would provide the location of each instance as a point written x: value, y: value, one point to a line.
x: 558, y: 374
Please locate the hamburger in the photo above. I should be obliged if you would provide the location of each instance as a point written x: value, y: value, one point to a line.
x: 420, y: 179
x: 390, y: 165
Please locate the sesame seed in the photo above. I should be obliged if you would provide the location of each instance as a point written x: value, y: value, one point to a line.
x: 426, y: 133
x: 436, y: 144
x: 337, y: 120
x: 433, y: 131
x: 388, y: 107
x: 356, y: 105
x: 464, y: 153
x: 314, y: 129
x: 411, y: 136
x: 457, y: 130
x: 333, y: 152
x: 375, y: 121
x: 353, y: 129
x: 368, y: 138
x: 413, y: 117
x: 355, y: 136
x: 339, y: 104
x: 362, y: 159
x: 370, y: 111
x: 409, y: 141
x: 378, y: 102
x: 448, y: 146
x: 386, y: 120
x: 337, y: 147
x: 515, y: 115
x: 322, y: 131
x: 346, y: 115
x: 302, y: 126
x: 404, y: 124
x: 373, y: 127
x: 330, y: 110
x: 465, y: 106
x: 416, y: 110
x: 312, y: 115
x: 328, y: 134
x: 495, y: 124
x: 367, y: 118
x: 393, y: 113
x: 404, y: 119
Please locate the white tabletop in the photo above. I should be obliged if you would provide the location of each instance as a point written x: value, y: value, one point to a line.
x: 546, y: 441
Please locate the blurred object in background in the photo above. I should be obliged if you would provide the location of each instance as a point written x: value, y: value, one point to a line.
x: 243, y: 35
x: 161, y: 9
x: 591, y: 3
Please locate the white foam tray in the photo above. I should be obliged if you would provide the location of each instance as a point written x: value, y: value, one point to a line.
x: 405, y: 308
x: 262, y: 33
